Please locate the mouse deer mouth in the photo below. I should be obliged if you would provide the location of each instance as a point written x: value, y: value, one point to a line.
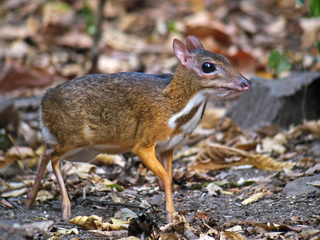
x: 241, y: 85
x: 227, y: 91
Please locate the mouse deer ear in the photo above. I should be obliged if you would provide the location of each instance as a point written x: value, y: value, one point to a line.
x: 182, y: 53
x: 193, y: 43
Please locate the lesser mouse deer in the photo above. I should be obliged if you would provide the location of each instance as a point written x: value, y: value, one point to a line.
x: 148, y: 115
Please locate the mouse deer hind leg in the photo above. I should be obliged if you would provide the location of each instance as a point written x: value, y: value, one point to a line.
x: 51, y: 153
x: 66, y: 205
x: 46, y: 157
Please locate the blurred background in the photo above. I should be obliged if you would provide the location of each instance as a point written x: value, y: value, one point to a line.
x: 45, y: 42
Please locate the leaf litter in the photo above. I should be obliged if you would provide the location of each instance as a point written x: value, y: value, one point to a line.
x: 221, y: 187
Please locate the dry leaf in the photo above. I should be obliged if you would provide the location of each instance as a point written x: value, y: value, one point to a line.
x: 74, y: 39
x: 186, y: 153
x: 109, y: 160
x: 95, y: 223
x: 268, y: 163
x: 311, y: 27
x: 215, y: 156
x: 275, y: 144
x: 16, y: 76
x: 231, y: 236
x: 5, y: 204
x: 205, y: 237
x: 109, y: 226
x: 168, y: 236
x: 214, y: 189
x: 125, y: 213
x: 307, y: 127
x: 211, y: 117
x: 16, y: 159
x: 102, y: 184
x: 83, y: 170
x: 179, y: 223
x: 89, y: 223
x: 201, y: 215
x: 116, y: 198
x: 15, y: 193
x: 253, y: 198
x: 312, y: 127
x: 55, y: 13
x: 44, y: 195
x: 66, y: 231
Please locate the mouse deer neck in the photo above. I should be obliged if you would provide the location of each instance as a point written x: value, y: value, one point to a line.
x: 187, y: 100
x: 183, y: 86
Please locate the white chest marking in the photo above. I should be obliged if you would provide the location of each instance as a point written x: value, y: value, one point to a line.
x: 193, y: 123
x: 169, y: 143
x: 200, y: 97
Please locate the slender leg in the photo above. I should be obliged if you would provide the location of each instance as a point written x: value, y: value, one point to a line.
x: 166, y: 160
x: 42, y: 167
x: 148, y: 157
x: 66, y: 205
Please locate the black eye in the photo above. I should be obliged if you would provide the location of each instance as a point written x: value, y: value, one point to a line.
x: 208, y: 67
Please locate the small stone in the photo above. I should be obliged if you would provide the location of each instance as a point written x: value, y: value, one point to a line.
x: 300, y: 186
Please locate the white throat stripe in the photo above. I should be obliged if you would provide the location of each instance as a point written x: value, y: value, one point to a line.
x: 198, y: 98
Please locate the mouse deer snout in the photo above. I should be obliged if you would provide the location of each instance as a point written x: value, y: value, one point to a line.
x: 245, y: 84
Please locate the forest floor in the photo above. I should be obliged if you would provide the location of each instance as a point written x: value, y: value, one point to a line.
x: 228, y: 182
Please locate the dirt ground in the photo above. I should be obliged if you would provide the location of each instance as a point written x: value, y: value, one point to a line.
x: 274, y: 216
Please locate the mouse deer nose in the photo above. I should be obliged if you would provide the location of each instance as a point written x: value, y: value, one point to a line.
x: 245, y: 84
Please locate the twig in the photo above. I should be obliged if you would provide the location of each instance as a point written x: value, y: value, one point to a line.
x: 112, y: 204
x: 24, y: 163
x: 96, y: 38
x: 303, y: 102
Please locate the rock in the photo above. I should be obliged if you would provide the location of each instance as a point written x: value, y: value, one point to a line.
x: 157, y: 200
x: 301, y: 186
x: 280, y: 102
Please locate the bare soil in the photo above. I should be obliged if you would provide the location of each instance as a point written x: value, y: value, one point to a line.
x: 298, y: 216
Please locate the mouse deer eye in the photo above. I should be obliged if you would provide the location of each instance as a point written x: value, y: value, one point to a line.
x: 208, y: 67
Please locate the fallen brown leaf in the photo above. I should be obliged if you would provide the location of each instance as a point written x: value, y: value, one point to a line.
x: 268, y: 163
x: 253, y: 198
x: 13, y: 76
x: 275, y: 144
x: 215, y: 156
x: 211, y: 117
x: 89, y: 223
x: 231, y: 235
x: 94, y: 222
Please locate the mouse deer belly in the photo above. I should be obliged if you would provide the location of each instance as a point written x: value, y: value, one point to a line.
x: 85, y: 154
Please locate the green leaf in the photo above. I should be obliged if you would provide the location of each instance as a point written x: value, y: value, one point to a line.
x: 198, y: 186
x: 91, y: 30
x: 279, y: 62
x: 318, y: 46
x: 88, y: 15
x: 314, y: 8
x: 5, y: 142
x: 116, y: 186
x: 172, y: 26
x: 300, y: 2
x: 274, y: 59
